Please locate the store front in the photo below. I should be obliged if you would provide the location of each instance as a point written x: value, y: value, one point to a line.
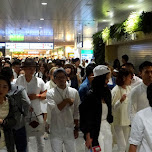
x: 23, y: 50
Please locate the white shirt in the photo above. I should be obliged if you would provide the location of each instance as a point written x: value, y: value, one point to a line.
x: 35, y: 86
x: 141, y: 130
x: 138, y: 99
x: 50, y: 84
x: 135, y: 81
x: 62, y: 122
x: 14, y: 74
x: 120, y: 110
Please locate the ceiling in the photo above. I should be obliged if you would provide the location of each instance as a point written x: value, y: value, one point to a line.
x: 63, y: 19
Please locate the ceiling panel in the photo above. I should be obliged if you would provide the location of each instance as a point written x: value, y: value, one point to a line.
x: 64, y: 19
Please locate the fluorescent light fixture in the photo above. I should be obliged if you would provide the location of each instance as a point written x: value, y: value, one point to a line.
x: 43, y: 3
x: 42, y: 19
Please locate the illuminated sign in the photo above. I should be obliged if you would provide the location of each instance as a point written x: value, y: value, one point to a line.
x: 30, y: 46
x: 41, y: 46
x: 86, y: 54
x: 17, y: 45
x: 16, y: 37
x: 86, y: 51
x: 2, y: 45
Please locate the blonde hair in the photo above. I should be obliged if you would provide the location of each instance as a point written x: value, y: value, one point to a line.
x: 52, y: 70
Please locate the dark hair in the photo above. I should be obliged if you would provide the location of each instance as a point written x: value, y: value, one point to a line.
x: 8, y: 62
x: 121, y: 74
x: 129, y: 66
x: 73, y: 70
x: 59, y: 70
x: 6, y: 80
x: 89, y: 68
x: 116, y: 64
x: 125, y: 57
x: 16, y: 62
x: 98, y: 85
x: 7, y: 72
x: 149, y: 94
x: 144, y: 64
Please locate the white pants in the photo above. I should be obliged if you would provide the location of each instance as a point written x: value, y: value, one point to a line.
x: 35, y: 135
x: 3, y: 149
x: 39, y: 140
x: 105, y: 137
x: 57, y: 145
x: 122, y: 135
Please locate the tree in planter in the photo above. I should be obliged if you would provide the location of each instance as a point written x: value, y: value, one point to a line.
x: 98, y: 48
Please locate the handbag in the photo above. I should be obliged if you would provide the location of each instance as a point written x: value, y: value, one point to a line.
x: 34, y: 123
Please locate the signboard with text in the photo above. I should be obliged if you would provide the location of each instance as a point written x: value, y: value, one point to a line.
x: 30, y: 46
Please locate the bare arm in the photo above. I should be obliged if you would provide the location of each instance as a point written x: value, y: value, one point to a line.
x: 64, y: 103
x: 132, y: 148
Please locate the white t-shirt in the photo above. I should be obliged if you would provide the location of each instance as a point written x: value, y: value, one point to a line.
x: 138, y: 99
x: 141, y: 130
x: 35, y: 86
x: 135, y: 81
x: 62, y: 122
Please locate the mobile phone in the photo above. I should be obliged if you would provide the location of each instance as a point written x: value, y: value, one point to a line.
x: 96, y: 149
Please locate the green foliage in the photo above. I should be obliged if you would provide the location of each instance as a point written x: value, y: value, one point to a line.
x: 146, y: 22
x: 131, y: 25
x: 117, y: 31
x: 98, y: 48
x: 105, y: 34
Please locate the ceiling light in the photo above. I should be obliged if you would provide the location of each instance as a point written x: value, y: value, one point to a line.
x: 44, y: 3
x: 41, y: 19
x: 131, y: 6
x: 40, y: 27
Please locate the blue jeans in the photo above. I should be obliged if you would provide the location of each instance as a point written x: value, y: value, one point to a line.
x: 20, y: 139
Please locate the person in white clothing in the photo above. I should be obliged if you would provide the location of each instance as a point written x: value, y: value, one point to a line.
x: 120, y: 103
x: 36, y: 91
x: 140, y: 138
x: 135, y: 80
x: 51, y: 84
x: 16, y: 67
x: 63, y: 102
x: 138, y: 96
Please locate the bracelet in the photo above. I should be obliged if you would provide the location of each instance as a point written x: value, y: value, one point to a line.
x: 39, y: 95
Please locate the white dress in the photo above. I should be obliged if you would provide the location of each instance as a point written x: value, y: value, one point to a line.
x: 105, y: 135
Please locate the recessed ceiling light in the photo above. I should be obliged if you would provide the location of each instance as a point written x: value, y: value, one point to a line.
x: 40, y: 27
x: 41, y: 19
x: 44, y: 3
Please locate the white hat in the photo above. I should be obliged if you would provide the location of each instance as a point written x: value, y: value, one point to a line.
x: 100, y: 70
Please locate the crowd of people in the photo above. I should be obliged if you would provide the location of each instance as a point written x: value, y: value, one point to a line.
x: 57, y: 99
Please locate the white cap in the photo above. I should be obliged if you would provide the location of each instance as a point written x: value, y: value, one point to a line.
x: 100, y: 70
x: 50, y: 61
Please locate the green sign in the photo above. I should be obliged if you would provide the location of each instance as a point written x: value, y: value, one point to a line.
x: 16, y: 37
x: 86, y: 51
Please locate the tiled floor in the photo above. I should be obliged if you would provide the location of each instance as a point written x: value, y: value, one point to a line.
x: 79, y: 142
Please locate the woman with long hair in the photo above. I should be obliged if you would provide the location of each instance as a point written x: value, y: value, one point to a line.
x: 95, y: 112
x: 120, y: 94
x: 43, y: 71
x: 7, y: 120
